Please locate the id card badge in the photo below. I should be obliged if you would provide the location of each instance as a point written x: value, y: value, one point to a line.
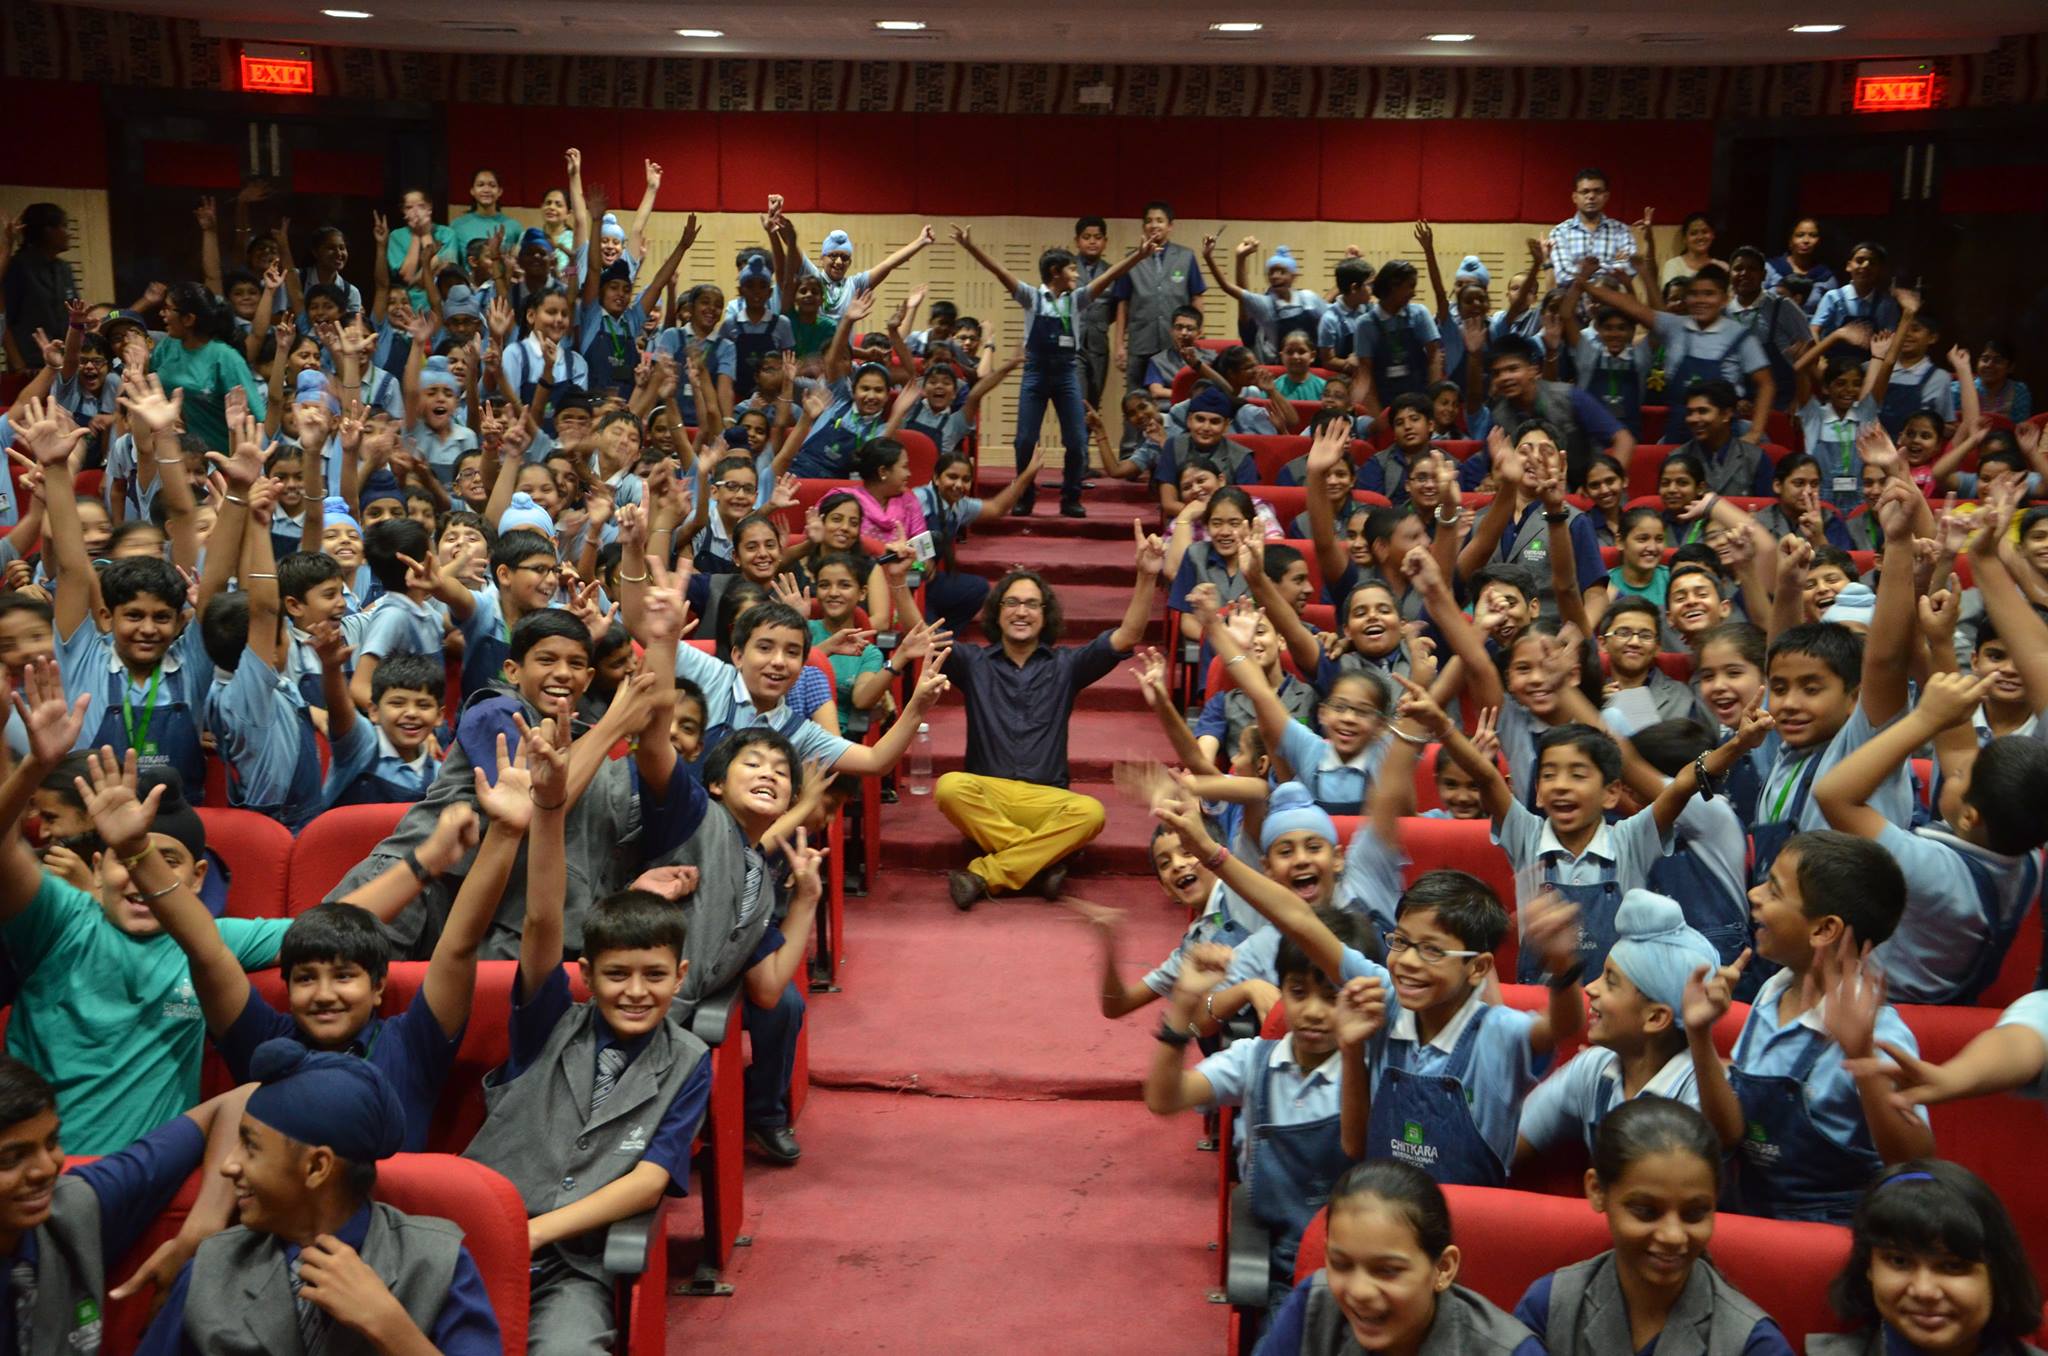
x: 1066, y: 341
x: 921, y: 546
x: 1845, y: 485
x: 1397, y: 371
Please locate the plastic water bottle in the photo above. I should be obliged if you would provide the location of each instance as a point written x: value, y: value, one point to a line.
x: 920, y: 779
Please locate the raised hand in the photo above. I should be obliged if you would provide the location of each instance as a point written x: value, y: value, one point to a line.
x: 545, y: 749
x: 1418, y: 706
x: 108, y: 791
x: 49, y: 431
x: 1486, y: 732
x: 1550, y: 927
x: 1361, y: 1004
x: 789, y: 591
x: 53, y: 724
x: 931, y: 684
x: 1151, y: 666
x: 1710, y: 992
x: 510, y: 801
x: 1203, y: 968
x: 1151, y: 551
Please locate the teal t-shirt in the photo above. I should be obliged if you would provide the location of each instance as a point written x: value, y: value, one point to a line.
x: 1659, y: 585
x: 206, y: 374
x: 847, y: 669
x: 1309, y: 387
x: 477, y: 226
x: 112, y: 1020
x: 400, y: 244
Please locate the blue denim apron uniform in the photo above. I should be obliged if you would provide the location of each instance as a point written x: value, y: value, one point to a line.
x: 748, y: 347
x: 1052, y: 376
x: 1289, y: 1170
x: 1743, y: 786
x: 483, y: 661
x: 1290, y: 317
x: 2000, y: 930
x: 1781, y: 366
x: 1679, y: 380
x: 1680, y: 876
x: 1596, y: 901
x: 306, y: 778
x: 162, y: 736
x: 612, y: 357
x: 688, y: 339
x: 1398, y: 362
x: 830, y: 451
x: 1426, y: 1119
x: 373, y: 790
x: 1898, y: 405
x: 1788, y: 1168
x: 1615, y: 383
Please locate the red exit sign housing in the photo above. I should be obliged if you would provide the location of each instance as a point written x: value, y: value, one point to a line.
x: 276, y: 75
x: 1893, y: 93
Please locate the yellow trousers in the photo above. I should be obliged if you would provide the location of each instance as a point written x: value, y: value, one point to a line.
x: 1021, y: 826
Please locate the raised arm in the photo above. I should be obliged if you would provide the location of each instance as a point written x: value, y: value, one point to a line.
x: 1109, y: 276
x: 1226, y: 281
x: 963, y: 236
x: 1332, y: 443
x: 1481, y: 675
x: 901, y: 257
x: 1887, y: 648
x: 1287, y: 911
x: 1137, y: 618
x: 1419, y: 708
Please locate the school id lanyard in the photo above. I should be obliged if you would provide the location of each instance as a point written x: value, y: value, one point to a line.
x: 1063, y: 314
x: 1785, y: 792
x: 138, y: 735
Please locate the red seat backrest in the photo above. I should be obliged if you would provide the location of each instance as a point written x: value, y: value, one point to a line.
x: 332, y: 845
x: 257, y: 850
x: 1654, y: 419
x: 809, y: 492
x: 1463, y: 845
x: 921, y: 452
x: 1288, y: 502
x: 1644, y: 465
x: 1273, y: 451
x: 1459, y: 448
x: 492, y: 1219
x: 1677, y: 666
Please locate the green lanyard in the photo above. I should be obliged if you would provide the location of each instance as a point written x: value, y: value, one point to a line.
x: 1065, y: 315
x: 1785, y: 794
x: 138, y: 735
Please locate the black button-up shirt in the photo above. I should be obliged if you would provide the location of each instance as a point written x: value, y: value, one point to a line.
x: 1017, y: 714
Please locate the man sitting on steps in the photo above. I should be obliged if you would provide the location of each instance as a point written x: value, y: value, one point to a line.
x: 1013, y: 799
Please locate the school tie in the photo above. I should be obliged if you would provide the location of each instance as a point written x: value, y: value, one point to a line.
x: 308, y: 1313
x: 22, y: 1276
x: 611, y: 1062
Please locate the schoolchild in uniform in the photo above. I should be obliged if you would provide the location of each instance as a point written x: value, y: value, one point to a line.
x: 1836, y: 409
x: 1866, y: 299
x: 611, y: 315
x: 438, y: 434
x: 315, y: 1264
x: 1228, y: 516
x: 524, y: 577
x: 1337, y: 326
x: 1450, y: 1070
x: 1811, y: 1115
x: 1906, y: 379
x: 752, y: 327
x: 1704, y: 345
x: 63, y: 1229
x: 1971, y: 882
x: 1396, y: 340
x: 840, y: 285
x: 1708, y: 868
x: 1629, y: 632
x: 1227, y: 715
x: 1389, y: 1279
x: 1290, y: 1142
x: 402, y: 621
x: 1051, y: 347
x: 545, y: 361
x: 405, y: 707
x: 1935, y: 1265
x: 953, y: 596
x: 1636, y: 1043
x: 1184, y: 327
x: 1281, y: 309
x: 1779, y: 324
x: 1153, y: 296
x: 1655, y: 1175
x: 841, y: 417
x: 1209, y: 412
x: 104, y: 1010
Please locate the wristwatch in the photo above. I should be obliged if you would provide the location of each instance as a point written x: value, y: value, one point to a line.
x: 1564, y: 979
x: 420, y: 871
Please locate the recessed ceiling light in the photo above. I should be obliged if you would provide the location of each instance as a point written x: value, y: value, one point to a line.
x: 900, y: 25
x: 1452, y: 37
x: 1816, y: 28
x: 1237, y: 28
x: 700, y: 32
x: 346, y: 13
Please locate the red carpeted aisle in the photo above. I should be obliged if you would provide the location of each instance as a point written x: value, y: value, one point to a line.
x: 978, y: 1170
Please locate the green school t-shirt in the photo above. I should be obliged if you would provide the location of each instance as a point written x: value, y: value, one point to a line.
x: 112, y: 1020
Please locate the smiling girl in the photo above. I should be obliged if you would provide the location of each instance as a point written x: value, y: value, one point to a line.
x: 1655, y: 1175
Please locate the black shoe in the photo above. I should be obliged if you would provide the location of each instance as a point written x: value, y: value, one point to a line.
x: 1073, y: 509
x: 1052, y: 882
x: 1022, y: 508
x: 776, y: 1143
x: 966, y: 888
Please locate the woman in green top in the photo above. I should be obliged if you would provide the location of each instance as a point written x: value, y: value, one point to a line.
x: 402, y: 251
x: 1298, y: 382
x: 813, y: 329
x: 483, y: 219
x: 859, y: 680
x: 199, y: 360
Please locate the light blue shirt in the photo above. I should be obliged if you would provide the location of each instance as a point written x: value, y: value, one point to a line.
x: 1631, y: 846
x: 1224, y: 907
x: 1844, y: 304
x: 1335, y: 326
x: 522, y: 363
x: 1831, y: 439
x: 1769, y: 1049
x: 2031, y: 1012
x: 1893, y: 800
x: 398, y: 625
x: 1504, y: 1065
x: 1268, y: 311
x: 1338, y: 784
x: 1293, y: 1096
x: 1726, y: 343
x: 836, y: 294
x: 442, y: 450
x: 87, y: 658
x: 1719, y: 841
x: 1944, y: 928
x: 727, y: 703
x: 1571, y: 1101
x: 255, y: 716
x: 1933, y: 388
x: 1376, y: 328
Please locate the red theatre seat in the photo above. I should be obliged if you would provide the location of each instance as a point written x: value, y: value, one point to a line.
x: 332, y: 845
x: 257, y: 852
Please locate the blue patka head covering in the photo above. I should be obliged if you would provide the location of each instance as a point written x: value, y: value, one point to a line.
x: 318, y: 1097
x: 1473, y: 269
x: 1291, y: 808
x: 1658, y: 951
x: 839, y: 242
x: 313, y: 388
x: 1209, y: 400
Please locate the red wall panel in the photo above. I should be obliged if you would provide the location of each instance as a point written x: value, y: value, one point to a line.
x: 345, y: 172
x: 1267, y: 169
x: 477, y: 140
x: 73, y: 156
x: 1995, y: 188
x: 857, y: 171
x: 1371, y: 171
x: 763, y: 153
x: 1163, y: 158
x: 1846, y: 193
x: 191, y: 164
x: 1472, y: 171
x: 1666, y: 165
x: 686, y: 146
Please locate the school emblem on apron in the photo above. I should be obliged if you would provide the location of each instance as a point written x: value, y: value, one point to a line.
x: 1414, y: 1147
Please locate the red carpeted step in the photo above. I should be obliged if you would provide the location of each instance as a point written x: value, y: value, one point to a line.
x: 920, y: 1224
x: 1097, y: 740
x: 929, y: 1002
x: 1107, y: 491
x: 1041, y: 535
x: 916, y: 836
x: 1063, y: 561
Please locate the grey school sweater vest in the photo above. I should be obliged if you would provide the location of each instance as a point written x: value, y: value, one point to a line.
x: 239, y: 1300
x: 598, y: 837
x: 1554, y: 407
x: 722, y: 933
x: 1466, y: 1325
x: 539, y: 1133
x: 1589, y: 1317
x: 71, y: 1273
x: 1159, y: 286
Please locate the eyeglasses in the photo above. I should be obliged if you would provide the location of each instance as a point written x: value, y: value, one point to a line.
x: 735, y: 485
x: 1347, y: 709
x: 1429, y: 951
x: 1022, y: 605
x: 542, y: 570
x: 1626, y: 634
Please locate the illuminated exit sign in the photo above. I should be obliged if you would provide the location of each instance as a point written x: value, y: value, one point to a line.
x: 277, y: 70
x: 1893, y: 93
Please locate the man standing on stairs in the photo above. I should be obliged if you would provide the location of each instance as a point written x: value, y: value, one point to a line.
x: 1013, y: 799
